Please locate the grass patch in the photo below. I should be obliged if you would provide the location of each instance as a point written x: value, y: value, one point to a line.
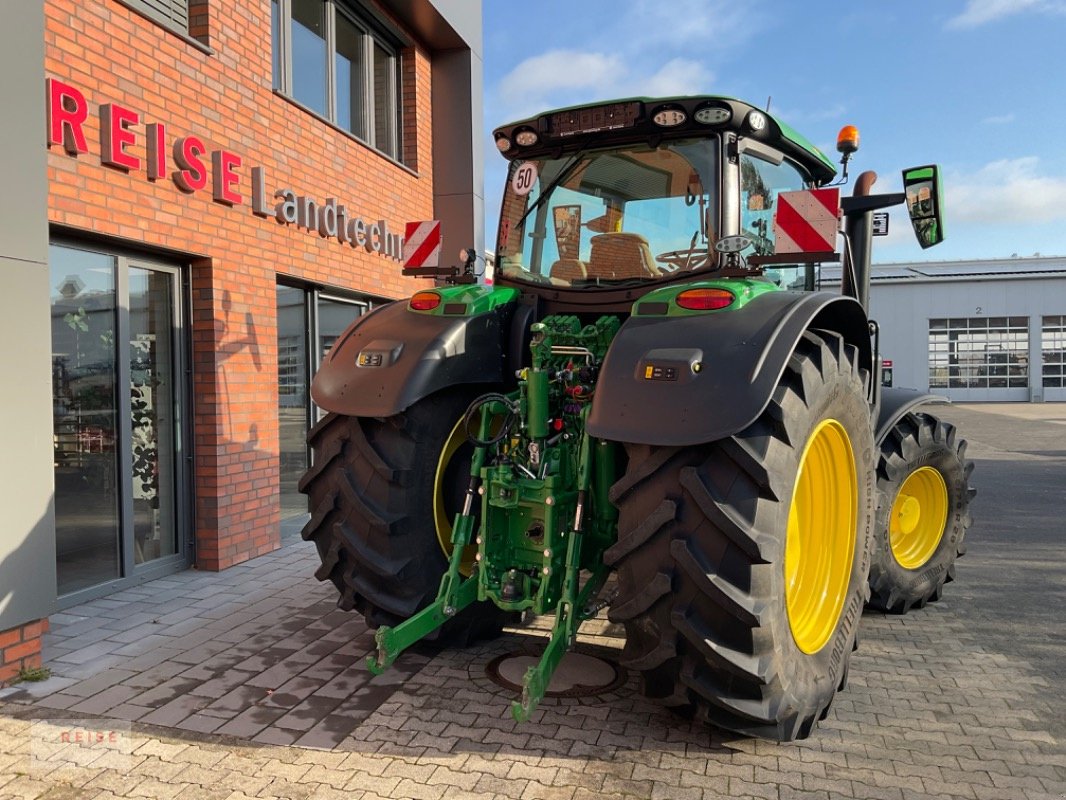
x: 33, y: 674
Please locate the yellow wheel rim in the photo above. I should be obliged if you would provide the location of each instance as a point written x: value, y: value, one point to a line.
x: 820, y: 543
x: 442, y: 521
x: 919, y: 516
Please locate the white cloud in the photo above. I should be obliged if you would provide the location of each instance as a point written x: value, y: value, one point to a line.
x: 1001, y: 119
x: 643, y: 47
x: 564, y: 77
x: 979, y: 12
x: 557, y: 71
x: 794, y: 116
x: 1007, y: 192
x: 676, y: 77
x: 712, y: 22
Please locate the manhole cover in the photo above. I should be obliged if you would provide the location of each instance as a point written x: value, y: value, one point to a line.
x: 578, y: 675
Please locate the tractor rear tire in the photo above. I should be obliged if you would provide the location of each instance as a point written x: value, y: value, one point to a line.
x: 372, y: 498
x: 710, y: 558
x: 923, y: 477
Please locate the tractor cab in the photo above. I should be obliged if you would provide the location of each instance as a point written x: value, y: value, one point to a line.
x: 638, y: 193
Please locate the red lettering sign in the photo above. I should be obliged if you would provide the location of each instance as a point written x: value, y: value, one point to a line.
x: 157, y: 150
x: 115, y: 136
x: 67, y: 111
x: 192, y: 175
x: 223, y: 176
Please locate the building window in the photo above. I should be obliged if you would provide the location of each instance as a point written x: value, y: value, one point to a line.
x: 1053, y: 347
x: 979, y: 353
x: 335, y: 59
x: 309, y: 322
x: 173, y: 14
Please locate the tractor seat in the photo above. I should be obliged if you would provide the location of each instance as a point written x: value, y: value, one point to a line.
x: 621, y: 255
x: 569, y: 270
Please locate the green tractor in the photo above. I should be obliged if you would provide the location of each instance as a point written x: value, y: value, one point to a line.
x: 653, y: 411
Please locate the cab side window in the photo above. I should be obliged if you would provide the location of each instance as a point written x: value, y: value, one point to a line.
x: 761, y: 182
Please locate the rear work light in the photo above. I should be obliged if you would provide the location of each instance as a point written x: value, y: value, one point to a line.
x: 705, y: 299
x: 425, y: 301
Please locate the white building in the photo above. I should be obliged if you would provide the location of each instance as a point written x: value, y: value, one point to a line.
x: 989, y: 330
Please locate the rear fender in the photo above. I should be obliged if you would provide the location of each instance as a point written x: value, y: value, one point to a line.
x: 897, y: 403
x: 391, y: 358
x: 651, y: 390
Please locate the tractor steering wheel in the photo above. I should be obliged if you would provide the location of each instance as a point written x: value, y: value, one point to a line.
x: 679, y: 260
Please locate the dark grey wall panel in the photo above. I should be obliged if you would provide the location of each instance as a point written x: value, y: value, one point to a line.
x: 442, y: 24
x: 452, y: 29
x: 465, y: 18
x: 27, y: 528
x: 458, y: 156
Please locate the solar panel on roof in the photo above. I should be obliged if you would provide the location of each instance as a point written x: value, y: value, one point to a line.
x: 897, y: 272
x: 964, y: 270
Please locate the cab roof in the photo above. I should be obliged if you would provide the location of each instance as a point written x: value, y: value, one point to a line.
x: 635, y: 117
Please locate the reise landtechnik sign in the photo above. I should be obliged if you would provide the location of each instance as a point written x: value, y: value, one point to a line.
x: 68, y: 113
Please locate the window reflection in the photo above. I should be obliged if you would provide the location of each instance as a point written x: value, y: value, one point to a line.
x: 350, y: 79
x: 292, y: 396
x: 152, y: 417
x: 309, y: 54
x: 385, y: 107
x: 356, y: 85
x: 298, y: 358
x: 85, y: 418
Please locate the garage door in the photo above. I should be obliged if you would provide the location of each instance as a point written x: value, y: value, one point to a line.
x: 1053, y: 352
x: 979, y: 358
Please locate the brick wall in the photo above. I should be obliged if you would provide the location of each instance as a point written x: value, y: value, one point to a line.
x: 20, y: 648
x: 113, y: 55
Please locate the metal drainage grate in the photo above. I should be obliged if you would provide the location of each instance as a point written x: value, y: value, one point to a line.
x: 578, y: 674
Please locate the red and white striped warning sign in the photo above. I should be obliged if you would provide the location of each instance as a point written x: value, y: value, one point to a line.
x: 421, y: 244
x: 807, y: 221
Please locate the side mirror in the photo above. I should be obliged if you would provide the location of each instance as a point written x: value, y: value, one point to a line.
x: 924, y: 200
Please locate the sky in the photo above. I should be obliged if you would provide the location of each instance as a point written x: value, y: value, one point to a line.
x: 976, y: 86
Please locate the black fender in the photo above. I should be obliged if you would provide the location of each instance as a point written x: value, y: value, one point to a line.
x: 740, y: 354
x: 391, y: 358
x: 897, y: 403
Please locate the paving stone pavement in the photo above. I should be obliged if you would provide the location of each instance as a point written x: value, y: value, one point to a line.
x: 249, y: 683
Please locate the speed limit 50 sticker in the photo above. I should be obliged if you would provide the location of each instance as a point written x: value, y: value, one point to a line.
x: 523, y: 179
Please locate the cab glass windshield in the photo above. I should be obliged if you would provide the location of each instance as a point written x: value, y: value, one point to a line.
x: 612, y: 217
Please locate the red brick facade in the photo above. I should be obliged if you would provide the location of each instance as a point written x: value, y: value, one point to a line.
x: 20, y: 648
x: 111, y: 54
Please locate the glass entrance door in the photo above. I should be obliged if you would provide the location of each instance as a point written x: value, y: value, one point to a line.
x: 152, y: 414
x: 116, y: 368
x: 86, y: 418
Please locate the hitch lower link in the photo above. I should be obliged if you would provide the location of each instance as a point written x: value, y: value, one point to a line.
x: 575, y: 605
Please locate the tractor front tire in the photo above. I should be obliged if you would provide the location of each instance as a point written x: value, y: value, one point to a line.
x: 742, y: 564
x: 923, y: 479
x: 378, y: 489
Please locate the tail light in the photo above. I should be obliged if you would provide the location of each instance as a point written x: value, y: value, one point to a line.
x: 705, y: 299
x: 424, y: 301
